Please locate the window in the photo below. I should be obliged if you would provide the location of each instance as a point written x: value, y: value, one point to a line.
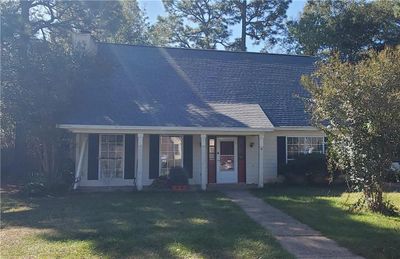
x: 111, y: 156
x: 211, y: 149
x: 170, y: 153
x: 304, y: 145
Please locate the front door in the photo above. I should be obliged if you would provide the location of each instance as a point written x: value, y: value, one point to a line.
x: 227, y: 171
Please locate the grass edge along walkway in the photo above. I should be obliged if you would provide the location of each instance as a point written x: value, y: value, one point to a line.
x: 325, y: 209
x: 299, y: 239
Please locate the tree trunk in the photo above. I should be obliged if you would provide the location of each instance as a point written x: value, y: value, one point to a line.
x: 25, y: 28
x: 243, y: 11
x: 373, y: 196
x: 20, y: 157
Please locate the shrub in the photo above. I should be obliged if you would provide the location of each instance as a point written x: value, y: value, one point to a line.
x: 392, y: 175
x: 67, y: 173
x: 41, y: 186
x: 35, y: 189
x: 160, y: 182
x: 308, y: 168
x: 178, y: 176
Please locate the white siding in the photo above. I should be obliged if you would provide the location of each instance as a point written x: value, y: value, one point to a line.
x: 270, y: 157
x: 252, y: 160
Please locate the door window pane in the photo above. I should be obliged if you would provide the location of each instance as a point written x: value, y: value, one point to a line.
x: 227, y: 156
x: 227, y: 148
x: 227, y: 163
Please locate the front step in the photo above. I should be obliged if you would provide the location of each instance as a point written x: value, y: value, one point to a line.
x: 230, y: 186
x: 106, y: 189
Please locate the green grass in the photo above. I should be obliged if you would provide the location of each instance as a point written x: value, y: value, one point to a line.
x: 138, y: 225
x: 325, y: 209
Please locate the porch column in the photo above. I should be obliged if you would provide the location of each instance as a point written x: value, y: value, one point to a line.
x: 82, y: 149
x: 139, y: 174
x: 203, y: 162
x: 260, y: 160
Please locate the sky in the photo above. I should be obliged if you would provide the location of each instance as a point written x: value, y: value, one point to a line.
x: 154, y: 8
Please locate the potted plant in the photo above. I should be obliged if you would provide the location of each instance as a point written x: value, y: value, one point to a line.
x: 178, y: 179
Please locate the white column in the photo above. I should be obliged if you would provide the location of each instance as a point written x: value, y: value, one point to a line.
x: 260, y: 160
x: 139, y: 174
x: 82, y: 150
x: 203, y: 162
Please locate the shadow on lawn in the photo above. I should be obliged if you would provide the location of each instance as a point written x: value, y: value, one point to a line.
x: 140, y: 224
x: 367, y: 234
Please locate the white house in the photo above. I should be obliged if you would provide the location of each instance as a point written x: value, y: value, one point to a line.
x: 226, y: 117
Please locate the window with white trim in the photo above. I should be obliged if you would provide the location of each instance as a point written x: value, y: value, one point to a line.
x: 111, y: 151
x: 171, y: 153
x: 296, y: 146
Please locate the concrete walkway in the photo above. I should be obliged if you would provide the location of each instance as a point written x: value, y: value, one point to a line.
x: 297, y: 238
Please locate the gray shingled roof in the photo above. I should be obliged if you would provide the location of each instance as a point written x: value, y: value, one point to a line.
x: 249, y: 115
x: 149, y: 86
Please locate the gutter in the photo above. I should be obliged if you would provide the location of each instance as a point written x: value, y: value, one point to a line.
x: 158, y: 129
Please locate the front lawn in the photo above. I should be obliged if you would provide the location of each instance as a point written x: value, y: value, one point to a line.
x: 141, y: 225
x: 325, y: 209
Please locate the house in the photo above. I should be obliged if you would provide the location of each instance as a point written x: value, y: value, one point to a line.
x: 226, y: 117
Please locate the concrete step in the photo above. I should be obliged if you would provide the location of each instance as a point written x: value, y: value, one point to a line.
x: 106, y: 189
x: 230, y: 186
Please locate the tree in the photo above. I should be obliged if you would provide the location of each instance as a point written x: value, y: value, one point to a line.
x: 347, y: 27
x: 208, y: 23
x: 358, y: 107
x: 40, y: 73
x: 260, y: 20
x: 53, y: 20
x: 134, y: 28
x: 193, y: 24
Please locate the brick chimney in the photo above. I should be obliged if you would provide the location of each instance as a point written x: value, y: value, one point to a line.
x: 83, y: 41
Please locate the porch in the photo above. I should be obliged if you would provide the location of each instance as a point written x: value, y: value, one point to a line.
x: 128, y: 156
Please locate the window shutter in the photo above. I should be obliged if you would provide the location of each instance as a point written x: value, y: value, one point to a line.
x: 154, y: 156
x: 281, y: 152
x: 93, y: 157
x: 188, y: 154
x: 129, y: 167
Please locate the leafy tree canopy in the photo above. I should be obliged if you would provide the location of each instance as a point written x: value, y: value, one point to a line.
x: 53, y: 20
x: 193, y: 24
x: 348, y: 27
x: 358, y: 106
x: 40, y: 73
x: 208, y: 23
